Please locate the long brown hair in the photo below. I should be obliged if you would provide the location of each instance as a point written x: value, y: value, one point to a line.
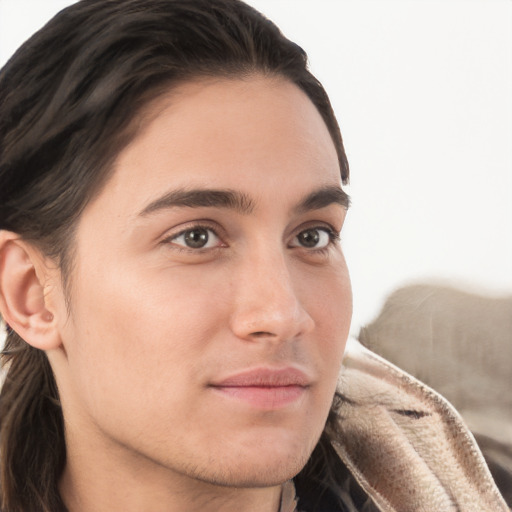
x: 68, y: 100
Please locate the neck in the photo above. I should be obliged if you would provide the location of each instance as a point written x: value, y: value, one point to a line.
x: 99, y: 478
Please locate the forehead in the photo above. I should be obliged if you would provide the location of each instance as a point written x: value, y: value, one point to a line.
x: 253, y: 134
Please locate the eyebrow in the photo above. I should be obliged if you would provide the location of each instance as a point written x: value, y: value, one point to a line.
x: 240, y: 202
x: 202, y: 198
x: 322, y: 198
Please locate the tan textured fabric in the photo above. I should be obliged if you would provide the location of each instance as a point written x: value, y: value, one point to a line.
x: 460, y: 344
x: 405, y: 444
x: 288, y: 498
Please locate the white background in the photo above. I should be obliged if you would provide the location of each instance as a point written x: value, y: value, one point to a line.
x: 423, y: 94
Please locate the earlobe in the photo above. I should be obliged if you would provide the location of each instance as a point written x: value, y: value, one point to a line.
x: 22, y: 298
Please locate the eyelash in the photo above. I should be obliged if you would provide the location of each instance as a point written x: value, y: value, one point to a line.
x: 333, y: 235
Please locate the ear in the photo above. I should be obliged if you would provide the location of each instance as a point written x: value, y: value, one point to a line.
x: 22, y: 292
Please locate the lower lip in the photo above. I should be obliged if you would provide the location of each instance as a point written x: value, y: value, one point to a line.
x: 268, y: 398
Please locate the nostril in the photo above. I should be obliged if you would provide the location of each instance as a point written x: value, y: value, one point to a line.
x: 261, y: 334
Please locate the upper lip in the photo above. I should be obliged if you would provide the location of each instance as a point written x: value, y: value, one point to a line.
x: 265, y: 377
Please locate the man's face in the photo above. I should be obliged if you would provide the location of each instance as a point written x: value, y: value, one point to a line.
x: 210, y: 300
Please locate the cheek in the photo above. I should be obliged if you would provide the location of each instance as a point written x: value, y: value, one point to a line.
x: 136, y: 324
x: 330, y: 304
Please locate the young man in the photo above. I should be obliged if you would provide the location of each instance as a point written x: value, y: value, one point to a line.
x: 174, y: 286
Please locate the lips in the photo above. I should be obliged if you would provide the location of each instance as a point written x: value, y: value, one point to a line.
x: 265, y: 388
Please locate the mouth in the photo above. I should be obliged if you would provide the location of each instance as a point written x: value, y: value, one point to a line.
x: 265, y: 388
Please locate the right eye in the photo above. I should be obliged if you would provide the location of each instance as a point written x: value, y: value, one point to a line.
x: 197, y: 237
x: 313, y: 238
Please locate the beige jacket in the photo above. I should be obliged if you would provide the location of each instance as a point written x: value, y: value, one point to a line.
x: 406, y: 445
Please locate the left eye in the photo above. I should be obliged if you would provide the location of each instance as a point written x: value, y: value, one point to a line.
x: 196, y: 238
x: 313, y: 238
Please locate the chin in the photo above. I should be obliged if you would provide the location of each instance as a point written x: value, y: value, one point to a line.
x: 249, y: 476
x: 261, y: 466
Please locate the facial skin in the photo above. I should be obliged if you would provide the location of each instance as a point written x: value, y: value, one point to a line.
x: 159, y: 323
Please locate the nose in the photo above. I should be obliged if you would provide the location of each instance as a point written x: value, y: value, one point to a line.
x: 266, y: 303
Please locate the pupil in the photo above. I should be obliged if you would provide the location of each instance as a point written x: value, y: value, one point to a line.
x: 196, y: 238
x: 309, y: 238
